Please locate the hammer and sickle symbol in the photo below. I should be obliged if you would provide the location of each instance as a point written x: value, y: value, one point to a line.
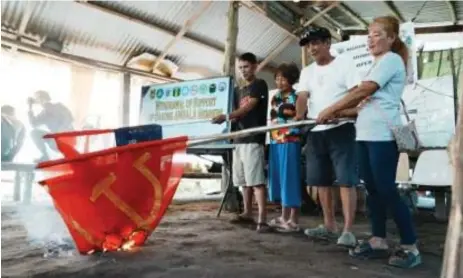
x: 104, y: 188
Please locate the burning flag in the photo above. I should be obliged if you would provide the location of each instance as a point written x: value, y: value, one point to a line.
x: 114, y: 199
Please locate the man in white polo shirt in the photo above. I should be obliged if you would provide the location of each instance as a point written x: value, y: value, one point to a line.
x: 330, y: 149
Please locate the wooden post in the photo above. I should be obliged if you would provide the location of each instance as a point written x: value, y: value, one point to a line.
x: 231, y: 203
x: 453, y: 257
x: 126, y: 82
x: 312, y: 190
x: 455, y: 78
x: 232, y: 36
x: 304, y: 54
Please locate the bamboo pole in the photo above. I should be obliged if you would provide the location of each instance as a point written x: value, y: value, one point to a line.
x: 453, y: 256
x: 248, y: 132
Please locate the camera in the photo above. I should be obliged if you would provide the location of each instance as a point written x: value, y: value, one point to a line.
x: 30, y: 100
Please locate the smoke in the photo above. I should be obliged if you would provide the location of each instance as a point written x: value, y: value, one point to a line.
x: 45, y: 229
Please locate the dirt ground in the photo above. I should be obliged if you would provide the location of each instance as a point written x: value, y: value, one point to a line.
x: 192, y: 242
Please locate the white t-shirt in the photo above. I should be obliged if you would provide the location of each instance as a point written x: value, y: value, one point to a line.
x: 327, y: 84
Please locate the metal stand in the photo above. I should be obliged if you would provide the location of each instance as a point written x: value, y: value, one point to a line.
x: 227, y: 180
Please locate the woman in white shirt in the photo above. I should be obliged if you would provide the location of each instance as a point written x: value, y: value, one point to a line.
x: 377, y: 150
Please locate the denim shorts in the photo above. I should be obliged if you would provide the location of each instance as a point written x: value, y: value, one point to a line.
x: 331, y: 157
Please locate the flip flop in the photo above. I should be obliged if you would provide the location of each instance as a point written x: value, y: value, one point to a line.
x: 242, y: 220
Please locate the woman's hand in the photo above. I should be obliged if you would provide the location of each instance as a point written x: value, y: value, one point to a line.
x: 363, y: 102
x: 219, y: 119
x: 298, y: 118
x: 326, y: 115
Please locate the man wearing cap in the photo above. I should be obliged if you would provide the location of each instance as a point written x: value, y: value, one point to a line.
x: 330, y: 149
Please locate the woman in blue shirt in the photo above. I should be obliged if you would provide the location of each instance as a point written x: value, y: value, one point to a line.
x: 285, y: 151
x: 377, y: 149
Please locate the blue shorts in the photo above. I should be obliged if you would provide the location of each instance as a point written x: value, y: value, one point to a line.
x: 285, y: 174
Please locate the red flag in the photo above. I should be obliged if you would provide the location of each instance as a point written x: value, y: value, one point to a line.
x: 115, y: 198
x: 67, y: 141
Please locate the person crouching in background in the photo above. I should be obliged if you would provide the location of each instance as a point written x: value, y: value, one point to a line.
x: 285, y: 151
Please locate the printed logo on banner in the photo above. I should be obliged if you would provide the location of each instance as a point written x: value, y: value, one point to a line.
x: 194, y: 90
x: 159, y: 93
x: 203, y: 89
x: 152, y: 93
x: 185, y: 91
x: 212, y: 88
x: 176, y: 92
x: 168, y: 92
x: 222, y: 86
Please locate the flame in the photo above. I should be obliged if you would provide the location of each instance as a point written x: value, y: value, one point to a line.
x: 128, y: 245
x: 127, y: 240
x: 138, y: 237
x: 112, y: 242
x: 126, y: 232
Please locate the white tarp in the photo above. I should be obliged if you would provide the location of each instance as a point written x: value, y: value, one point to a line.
x: 431, y: 104
x: 357, y: 49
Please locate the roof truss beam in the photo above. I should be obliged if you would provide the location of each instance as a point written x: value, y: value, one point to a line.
x: 220, y: 49
x: 308, y: 13
x: 154, y: 27
x: 289, y: 39
x: 73, y: 59
x: 419, y: 30
x: 299, y: 11
x: 352, y: 15
x: 23, y: 23
x: 453, y: 11
x: 186, y: 26
x: 393, y: 9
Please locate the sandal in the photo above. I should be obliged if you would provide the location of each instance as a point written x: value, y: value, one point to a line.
x: 263, y: 228
x: 289, y: 227
x: 365, y: 251
x: 276, y: 222
x: 239, y: 219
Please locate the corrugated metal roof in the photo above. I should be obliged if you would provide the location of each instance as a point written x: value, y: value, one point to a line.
x: 368, y: 10
x: 12, y: 12
x: 167, y: 14
x: 292, y: 53
x: 256, y: 32
x: 432, y: 11
x: 459, y: 9
x: 88, y: 32
x: 342, y: 18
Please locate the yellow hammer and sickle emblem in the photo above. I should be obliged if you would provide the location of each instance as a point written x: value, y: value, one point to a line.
x: 104, y: 188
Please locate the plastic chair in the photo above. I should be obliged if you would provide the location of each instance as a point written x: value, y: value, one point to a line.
x: 403, y: 181
x: 434, y: 172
